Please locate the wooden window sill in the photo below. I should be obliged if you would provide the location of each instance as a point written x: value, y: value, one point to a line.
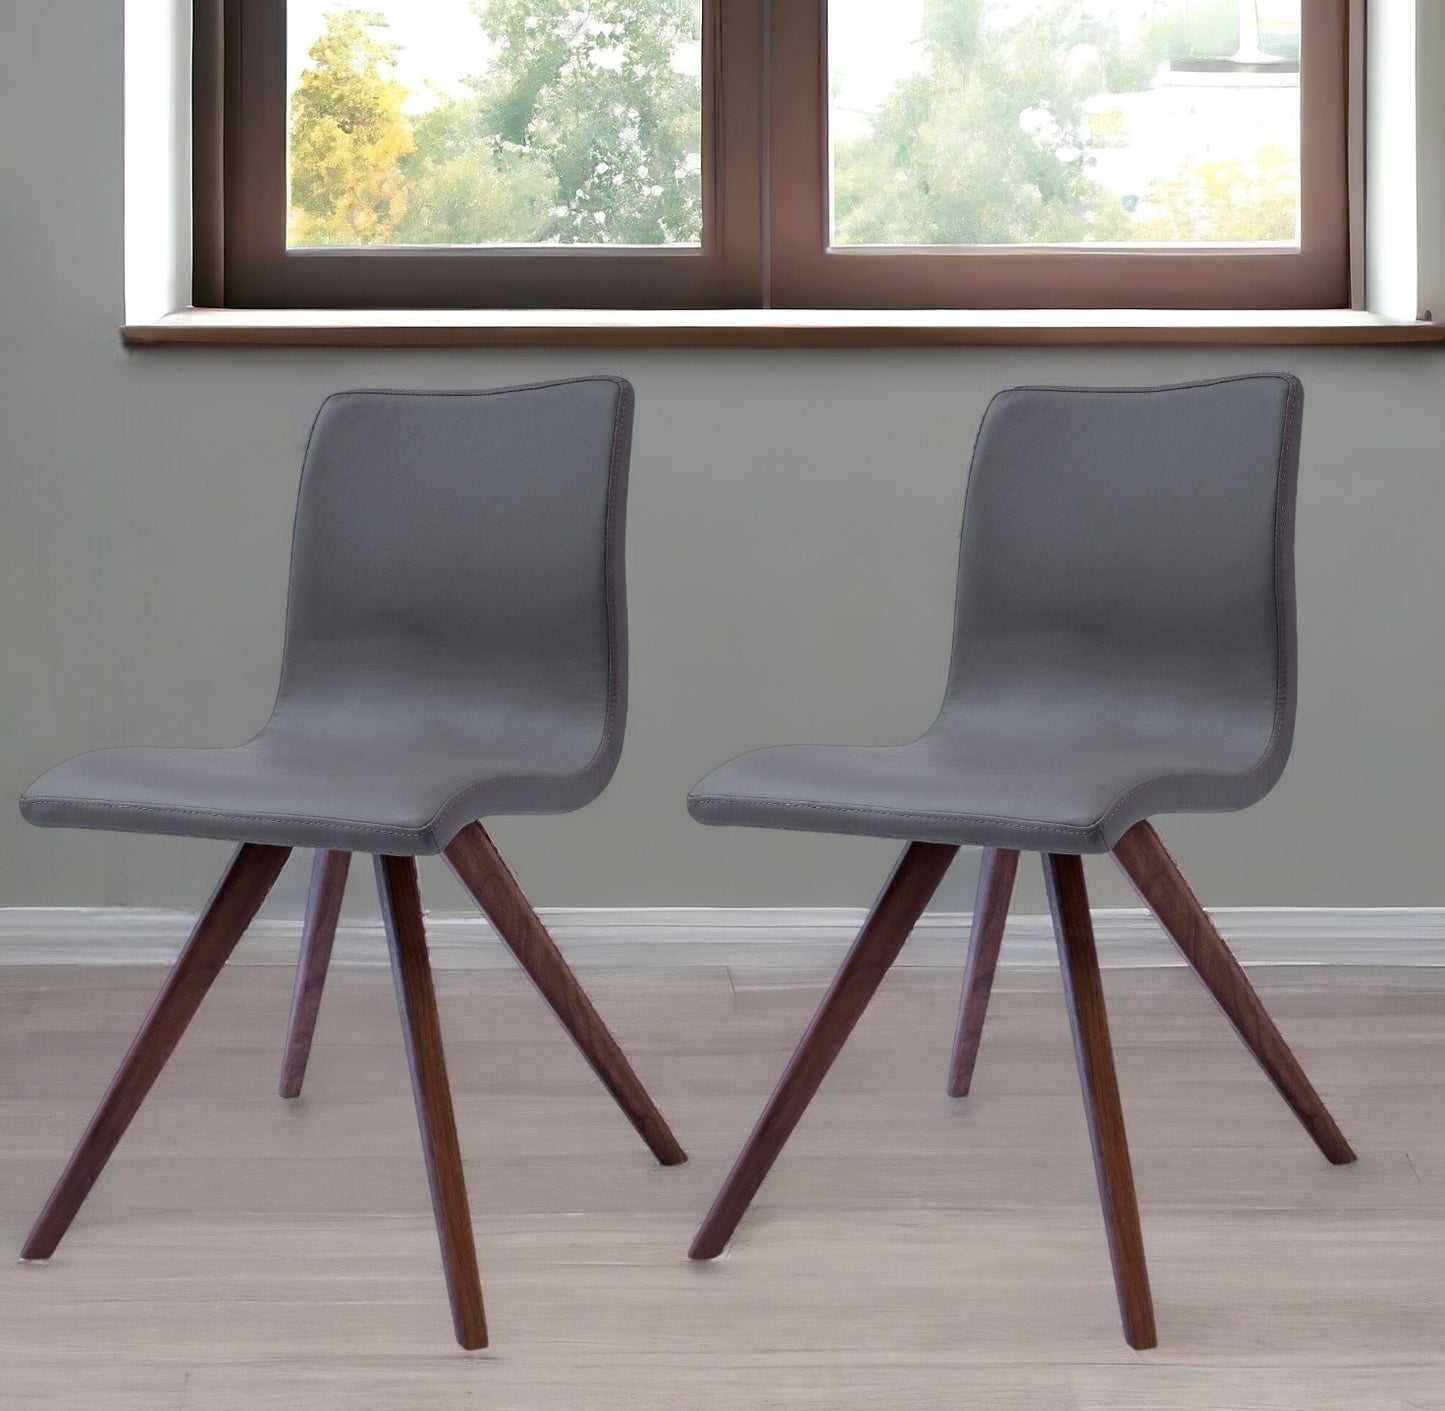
x: 769, y: 328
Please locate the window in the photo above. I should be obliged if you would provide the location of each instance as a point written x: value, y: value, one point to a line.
x: 787, y: 153
x: 455, y: 153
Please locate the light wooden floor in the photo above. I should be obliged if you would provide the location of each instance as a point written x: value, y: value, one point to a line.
x: 908, y: 1252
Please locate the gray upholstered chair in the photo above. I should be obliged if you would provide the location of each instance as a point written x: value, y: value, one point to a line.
x: 455, y: 648
x: 1123, y: 646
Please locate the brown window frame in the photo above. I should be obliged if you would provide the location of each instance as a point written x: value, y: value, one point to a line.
x: 765, y: 183
x: 240, y: 223
x: 806, y: 273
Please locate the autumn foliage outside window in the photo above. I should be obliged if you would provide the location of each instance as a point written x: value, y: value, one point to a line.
x: 559, y: 123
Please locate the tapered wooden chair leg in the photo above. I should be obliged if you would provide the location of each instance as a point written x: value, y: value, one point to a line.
x: 401, y: 912
x: 915, y: 879
x: 323, y: 910
x: 250, y: 876
x: 1145, y: 861
x: 990, y: 911
x: 1074, y: 933
x: 479, y: 867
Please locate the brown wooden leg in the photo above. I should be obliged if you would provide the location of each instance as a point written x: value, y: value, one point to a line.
x: 990, y: 911
x: 1156, y: 877
x: 252, y: 872
x: 479, y: 867
x: 915, y: 879
x: 396, y: 881
x: 323, y: 909
x: 1074, y: 932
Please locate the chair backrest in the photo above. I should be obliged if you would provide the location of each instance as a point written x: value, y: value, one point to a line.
x: 1127, y: 563
x: 459, y: 555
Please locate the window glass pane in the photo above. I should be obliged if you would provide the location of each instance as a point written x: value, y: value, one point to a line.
x: 495, y: 122
x: 1024, y: 122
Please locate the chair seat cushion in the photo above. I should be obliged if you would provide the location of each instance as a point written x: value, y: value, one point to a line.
x: 982, y: 790
x: 404, y: 794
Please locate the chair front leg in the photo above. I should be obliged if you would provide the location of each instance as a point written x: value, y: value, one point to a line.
x: 990, y: 911
x: 401, y: 912
x: 323, y: 911
x: 915, y: 878
x: 1156, y: 877
x: 479, y: 867
x: 1079, y: 962
x: 250, y: 876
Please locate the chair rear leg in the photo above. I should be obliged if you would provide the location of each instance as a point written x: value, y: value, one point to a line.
x: 250, y: 876
x: 479, y: 867
x: 914, y: 880
x: 990, y: 911
x: 1079, y: 962
x: 323, y: 910
x: 1156, y: 877
x: 396, y: 881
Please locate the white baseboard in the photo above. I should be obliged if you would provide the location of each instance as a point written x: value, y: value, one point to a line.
x: 796, y: 938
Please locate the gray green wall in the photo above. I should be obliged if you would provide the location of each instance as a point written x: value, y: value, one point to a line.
x: 794, y: 521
